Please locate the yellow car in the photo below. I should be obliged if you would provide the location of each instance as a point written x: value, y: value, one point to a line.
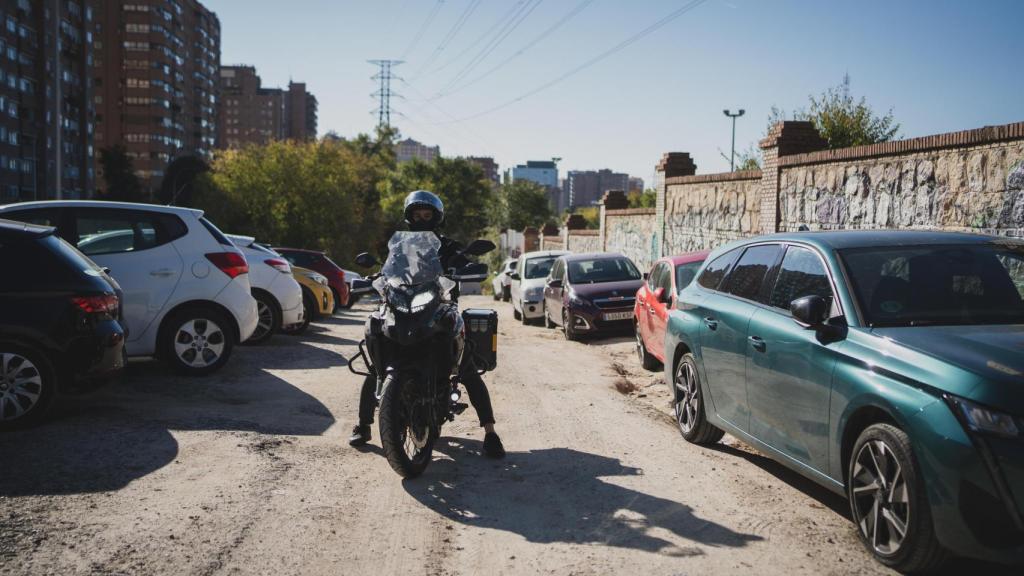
x: 316, y: 298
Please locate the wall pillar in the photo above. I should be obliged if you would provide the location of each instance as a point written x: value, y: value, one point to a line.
x: 531, y: 239
x: 672, y: 164
x: 612, y: 200
x: 783, y: 139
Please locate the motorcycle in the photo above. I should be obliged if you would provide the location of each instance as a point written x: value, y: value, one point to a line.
x: 415, y: 341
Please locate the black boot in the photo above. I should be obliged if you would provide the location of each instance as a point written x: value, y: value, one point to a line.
x: 492, y: 446
x: 360, y: 435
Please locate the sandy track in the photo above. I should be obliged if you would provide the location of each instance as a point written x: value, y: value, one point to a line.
x: 247, y: 472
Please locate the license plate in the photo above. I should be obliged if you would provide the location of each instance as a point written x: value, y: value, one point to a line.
x: 618, y: 315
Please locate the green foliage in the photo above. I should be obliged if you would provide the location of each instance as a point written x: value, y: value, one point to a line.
x: 520, y: 204
x: 749, y: 159
x: 646, y: 199
x: 592, y: 214
x: 843, y: 120
x: 119, y: 174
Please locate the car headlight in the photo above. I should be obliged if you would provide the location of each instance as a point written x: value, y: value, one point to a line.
x: 984, y: 420
x: 534, y: 294
x: 319, y: 279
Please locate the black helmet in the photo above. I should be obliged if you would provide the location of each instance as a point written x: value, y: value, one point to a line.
x: 424, y: 199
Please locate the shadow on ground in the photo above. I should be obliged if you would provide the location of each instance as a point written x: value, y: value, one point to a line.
x: 560, y: 495
x: 104, y: 440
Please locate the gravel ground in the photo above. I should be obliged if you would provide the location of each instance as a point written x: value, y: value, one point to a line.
x: 247, y: 472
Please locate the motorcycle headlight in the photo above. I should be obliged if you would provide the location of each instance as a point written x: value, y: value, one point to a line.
x: 421, y: 300
x: 986, y: 420
x: 409, y: 302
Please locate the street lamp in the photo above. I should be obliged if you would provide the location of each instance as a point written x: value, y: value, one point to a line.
x: 734, y: 116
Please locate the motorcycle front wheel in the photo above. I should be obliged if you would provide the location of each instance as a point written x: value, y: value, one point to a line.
x: 406, y: 432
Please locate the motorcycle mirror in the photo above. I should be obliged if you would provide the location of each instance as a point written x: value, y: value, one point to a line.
x: 365, y: 260
x: 479, y: 247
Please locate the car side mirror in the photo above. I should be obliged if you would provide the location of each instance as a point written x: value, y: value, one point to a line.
x: 366, y: 261
x: 646, y: 275
x: 810, y: 311
x: 661, y: 295
x: 514, y: 275
x: 479, y: 247
x: 475, y: 272
x: 554, y: 283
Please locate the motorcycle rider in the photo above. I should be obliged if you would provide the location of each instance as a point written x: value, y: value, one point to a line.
x: 424, y: 212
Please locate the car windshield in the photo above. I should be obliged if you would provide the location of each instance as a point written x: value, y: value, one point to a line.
x: 939, y: 285
x: 538, y: 267
x: 601, y: 270
x: 412, y: 258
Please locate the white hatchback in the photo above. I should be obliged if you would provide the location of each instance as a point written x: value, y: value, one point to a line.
x: 278, y: 295
x: 501, y: 285
x: 186, y: 286
x: 528, y: 281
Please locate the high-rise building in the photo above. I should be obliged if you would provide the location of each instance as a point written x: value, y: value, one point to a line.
x: 301, y: 109
x: 635, y: 183
x: 488, y: 165
x: 409, y: 149
x: 585, y: 187
x: 46, y: 147
x: 156, y: 68
x: 543, y: 172
x: 248, y: 113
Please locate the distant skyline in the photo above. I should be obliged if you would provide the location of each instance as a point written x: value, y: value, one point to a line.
x: 940, y: 65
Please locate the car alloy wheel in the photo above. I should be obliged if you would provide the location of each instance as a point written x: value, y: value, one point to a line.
x: 21, y: 386
x: 880, y: 500
x: 687, y: 402
x: 199, y: 342
x: 265, y: 322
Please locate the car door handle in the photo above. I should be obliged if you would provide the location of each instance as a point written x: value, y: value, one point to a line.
x: 162, y: 272
x: 757, y: 342
x: 711, y: 323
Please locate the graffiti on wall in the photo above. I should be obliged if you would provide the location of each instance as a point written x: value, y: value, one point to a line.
x: 633, y: 236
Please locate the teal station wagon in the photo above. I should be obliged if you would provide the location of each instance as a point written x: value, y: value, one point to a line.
x: 887, y: 366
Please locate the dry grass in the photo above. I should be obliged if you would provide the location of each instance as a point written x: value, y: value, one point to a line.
x: 626, y: 386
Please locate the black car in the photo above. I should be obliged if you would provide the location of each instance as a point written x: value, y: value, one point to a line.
x: 59, y: 324
x: 589, y: 294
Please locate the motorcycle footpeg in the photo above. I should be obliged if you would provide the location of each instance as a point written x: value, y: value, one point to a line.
x: 459, y: 407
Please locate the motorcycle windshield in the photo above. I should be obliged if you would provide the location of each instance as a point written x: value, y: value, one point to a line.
x: 413, y: 258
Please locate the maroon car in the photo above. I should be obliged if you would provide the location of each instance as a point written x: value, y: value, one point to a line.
x: 591, y: 293
x: 318, y: 261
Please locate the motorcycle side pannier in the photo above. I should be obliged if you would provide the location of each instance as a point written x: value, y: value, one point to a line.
x: 482, y: 336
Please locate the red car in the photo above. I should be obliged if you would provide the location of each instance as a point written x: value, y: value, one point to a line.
x: 318, y: 261
x: 656, y: 297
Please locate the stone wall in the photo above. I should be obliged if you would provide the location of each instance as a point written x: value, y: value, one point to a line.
x: 977, y: 188
x: 552, y: 243
x: 583, y: 241
x: 704, y: 211
x: 632, y: 232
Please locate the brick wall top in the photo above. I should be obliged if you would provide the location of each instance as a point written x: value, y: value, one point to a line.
x: 720, y: 177
x: 531, y: 230
x: 632, y: 212
x: 676, y: 164
x: 550, y: 230
x: 575, y: 222
x: 614, y: 200
x: 978, y: 136
x: 584, y: 232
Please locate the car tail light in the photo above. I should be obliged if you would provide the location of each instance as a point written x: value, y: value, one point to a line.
x: 341, y: 275
x: 102, y: 304
x: 280, y: 265
x: 231, y: 263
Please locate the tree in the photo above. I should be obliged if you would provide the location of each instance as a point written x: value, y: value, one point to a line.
x: 119, y: 174
x: 646, y: 199
x: 843, y: 120
x: 177, y: 186
x: 520, y: 204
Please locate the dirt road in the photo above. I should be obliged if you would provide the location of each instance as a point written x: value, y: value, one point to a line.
x: 247, y: 472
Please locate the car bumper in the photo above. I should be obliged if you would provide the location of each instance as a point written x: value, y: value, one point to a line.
x: 324, y: 301
x: 237, y: 298
x: 97, y: 356
x: 533, y: 310
x: 593, y: 320
x: 288, y: 293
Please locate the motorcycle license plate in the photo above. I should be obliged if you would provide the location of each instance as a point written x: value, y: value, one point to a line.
x: 618, y: 315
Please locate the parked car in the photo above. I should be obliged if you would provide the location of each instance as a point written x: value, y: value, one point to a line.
x: 501, y: 285
x: 356, y: 289
x: 58, y: 322
x: 587, y: 294
x: 278, y: 295
x: 655, y: 298
x: 318, y: 261
x: 526, y: 289
x: 886, y: 366
x: 317, y: 298
x: 186, y: 286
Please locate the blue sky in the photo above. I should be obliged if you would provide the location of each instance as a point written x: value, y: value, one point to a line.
x: 941, y: 65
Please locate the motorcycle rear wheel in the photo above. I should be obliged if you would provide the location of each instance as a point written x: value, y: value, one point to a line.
x: 408, y: 450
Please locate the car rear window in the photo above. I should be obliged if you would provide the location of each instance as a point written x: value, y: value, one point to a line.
x: 217, y: 234
x: 42, y: 263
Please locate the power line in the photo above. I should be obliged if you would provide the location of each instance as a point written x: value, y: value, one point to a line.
x: 620, y: 46
x: 487, y: 34
x: 551, y: 29
x: 507, y: 29
x: 384, y: 93
x: 423, y: 28
x: 451, y: 33
x: 467, y: 132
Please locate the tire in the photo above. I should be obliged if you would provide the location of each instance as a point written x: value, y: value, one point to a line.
x: 494, y: 295
x: 394, y: 431
x: 567, y: 328
x: 506, y: 293
x: 308, y: 307
x: 918, y: 550
x: 269, y: 317
x: 693, y: 423
x: 515, y: 313
x: 650, y: 363
x: 28, y: 386
x: 548, y: 322
x: 186, y: 353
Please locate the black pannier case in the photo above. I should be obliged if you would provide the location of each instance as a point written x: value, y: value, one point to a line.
x: 482, y: 336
